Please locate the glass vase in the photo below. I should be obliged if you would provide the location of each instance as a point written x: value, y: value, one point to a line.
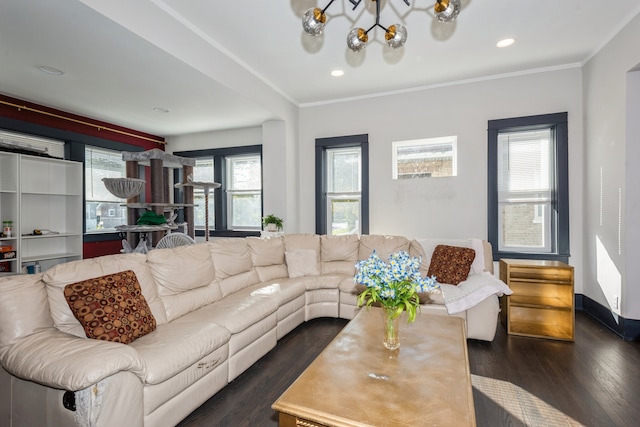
x: 390, y: 327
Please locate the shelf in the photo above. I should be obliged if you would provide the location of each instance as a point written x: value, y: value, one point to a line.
x: 144, y: 228
x: 168, y: 207
x: 50, y: 256
x: 539, y: 302
x: 48, y: 193
x: 49, y: 236
x: 538, y: 330
x: 542, y: 303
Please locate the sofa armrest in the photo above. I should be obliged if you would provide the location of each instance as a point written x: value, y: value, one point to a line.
x: 58, y: 360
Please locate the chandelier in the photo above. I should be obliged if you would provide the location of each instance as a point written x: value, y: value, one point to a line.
x: 314, y: 21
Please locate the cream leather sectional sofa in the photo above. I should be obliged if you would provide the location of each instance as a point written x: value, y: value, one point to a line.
x: 219, y: 307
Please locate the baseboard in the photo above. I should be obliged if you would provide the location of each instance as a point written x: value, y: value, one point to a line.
x: 627, y: 329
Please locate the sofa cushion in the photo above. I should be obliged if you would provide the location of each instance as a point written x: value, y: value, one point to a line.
x: 185, y: 278
x: 265, y: 252
x: 339, y: 248
x: 181, y: 268
x: 293, y: 242
x: 233, y: 265
x: 451, y: 264
x: 111, y: 307
x: 18, y: 294
x: 416, y: 250
x: 339, y: 254
x: 230, y: 257
x: 302, y: 262
x: 479, y: 264
x: 303, y: 242
x: 268, y: 258
x: 241, y: 310
x: 175, y: 346
x: 383, y: 245
x: 60, y: 275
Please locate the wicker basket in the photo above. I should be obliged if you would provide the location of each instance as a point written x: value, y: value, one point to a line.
x: 124, y: 188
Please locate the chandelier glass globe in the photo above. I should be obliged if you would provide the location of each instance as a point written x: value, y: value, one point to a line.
x: 396, y: 36
x: 447, y: 10
x: 314, y: 21
x: 357, y: 39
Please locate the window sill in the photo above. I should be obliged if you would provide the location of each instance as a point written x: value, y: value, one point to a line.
x: 528, y: 255
x: 228, y: 233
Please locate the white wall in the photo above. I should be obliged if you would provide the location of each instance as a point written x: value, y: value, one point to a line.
x: 453, y: 207
x: 611, y: 244
x: 220, y: 139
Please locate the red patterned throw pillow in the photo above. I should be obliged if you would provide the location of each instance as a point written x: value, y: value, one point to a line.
x: 451, y: 264
x: 111, y: 307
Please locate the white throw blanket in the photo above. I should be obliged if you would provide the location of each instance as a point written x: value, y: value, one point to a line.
x: 472, y: 291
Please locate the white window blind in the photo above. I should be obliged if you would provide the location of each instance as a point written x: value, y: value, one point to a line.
x: 524, y: 172
x: 525, y: 190
x: 36, y: 144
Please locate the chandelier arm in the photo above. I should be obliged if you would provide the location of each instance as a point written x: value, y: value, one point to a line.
x: 377, y: 25
x: 355, y: 3
x: 327, y: 6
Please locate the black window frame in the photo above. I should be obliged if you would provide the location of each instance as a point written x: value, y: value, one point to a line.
x: 219, y: 155
x: 321, y: 147
x: 558, y: 122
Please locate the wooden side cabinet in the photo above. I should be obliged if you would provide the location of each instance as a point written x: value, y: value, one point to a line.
x: 542, y: 301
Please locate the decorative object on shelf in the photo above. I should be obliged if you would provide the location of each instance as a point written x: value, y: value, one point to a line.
x: 205, y: 186
x: 151, y: 218
x: 272, y: 223
x: 7, y: 228
x: 124, y: 188
x: 140, y: 249
x: 315, y: 19
x: 173, y: 240
x: 43, y: 232
x: 395, y: 286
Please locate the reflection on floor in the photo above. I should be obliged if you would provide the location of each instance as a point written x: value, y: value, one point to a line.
x: 521, y: 404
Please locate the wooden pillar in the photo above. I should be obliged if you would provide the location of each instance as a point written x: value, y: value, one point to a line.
x: 132, y: 213
x: 189, y: 214
x: 157, y: 194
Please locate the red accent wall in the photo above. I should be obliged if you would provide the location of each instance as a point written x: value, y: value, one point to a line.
x: 134, y: 137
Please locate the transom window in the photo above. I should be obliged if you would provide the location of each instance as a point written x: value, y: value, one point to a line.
x: 430, y: 157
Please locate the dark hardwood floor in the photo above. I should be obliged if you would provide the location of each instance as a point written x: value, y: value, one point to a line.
x: 594, y: 381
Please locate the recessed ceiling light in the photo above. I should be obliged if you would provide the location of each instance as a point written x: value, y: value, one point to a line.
x: 50, y: 70
x: 505, y: 43
x: 160, y: 110
x: 337, y: 73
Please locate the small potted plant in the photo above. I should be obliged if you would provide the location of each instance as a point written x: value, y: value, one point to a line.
x: 272, y: 223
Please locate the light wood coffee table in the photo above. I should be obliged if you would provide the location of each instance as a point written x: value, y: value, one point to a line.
x: 356, y: 381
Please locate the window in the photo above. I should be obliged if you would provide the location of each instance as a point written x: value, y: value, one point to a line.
x: 528, y: 187
x: 203, y: 172
x: 342, y: 185
x: 235, y: 209
x: 103, y: 210
x: 431, y: 157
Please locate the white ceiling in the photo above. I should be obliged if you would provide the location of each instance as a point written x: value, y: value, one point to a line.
x: 214, y: 64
